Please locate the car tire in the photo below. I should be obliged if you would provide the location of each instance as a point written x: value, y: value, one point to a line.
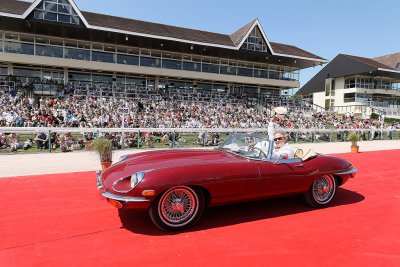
x: 177, y: 208
x: 321, y: 192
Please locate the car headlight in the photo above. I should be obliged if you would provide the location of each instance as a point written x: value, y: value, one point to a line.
x: 137, y: 177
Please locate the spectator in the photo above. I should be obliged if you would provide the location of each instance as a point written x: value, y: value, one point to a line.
x: 27, y: 144
x: 13, y: 142
x: 41, y: 140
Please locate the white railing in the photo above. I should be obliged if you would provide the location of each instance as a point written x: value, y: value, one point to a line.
x: 182, y: 130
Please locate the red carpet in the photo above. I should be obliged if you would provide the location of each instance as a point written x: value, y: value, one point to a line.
x: 60, y: 220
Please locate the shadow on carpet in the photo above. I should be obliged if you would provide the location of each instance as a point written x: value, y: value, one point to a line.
x: 215, y: 217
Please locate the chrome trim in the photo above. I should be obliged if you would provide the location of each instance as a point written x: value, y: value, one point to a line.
x: 124, y: 198
x: 129, y: 177
x: 123, y: 157
x: 119, y: 180
x: 98, y: 178
x: 353, y: 170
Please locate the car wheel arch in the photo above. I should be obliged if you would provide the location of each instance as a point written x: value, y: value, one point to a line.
x: 339, y: 180
x: 206, y: 194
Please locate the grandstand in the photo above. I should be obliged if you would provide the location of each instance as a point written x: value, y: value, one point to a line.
x: 51, y: 48
x: 61, y: 67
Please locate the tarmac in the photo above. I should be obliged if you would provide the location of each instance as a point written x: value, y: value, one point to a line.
x: 80, y: 161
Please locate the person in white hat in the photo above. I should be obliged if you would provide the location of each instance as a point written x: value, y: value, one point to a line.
x: 281, y: 147
x: 277, y: 113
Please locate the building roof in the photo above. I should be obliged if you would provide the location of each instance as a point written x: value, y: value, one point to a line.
x: 345, y: 65
x: 392, y: 60
x: 239, y: 35
x: 156, y: 30
x: 14, y: 7
x: 370, y: 62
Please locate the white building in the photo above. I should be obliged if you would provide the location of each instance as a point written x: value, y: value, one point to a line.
x: 357, y: 84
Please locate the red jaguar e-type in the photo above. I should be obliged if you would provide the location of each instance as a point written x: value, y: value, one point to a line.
x: 176, y: 185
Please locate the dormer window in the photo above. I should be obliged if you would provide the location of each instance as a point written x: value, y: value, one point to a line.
x: 57, y: 10
x: 255, y: 41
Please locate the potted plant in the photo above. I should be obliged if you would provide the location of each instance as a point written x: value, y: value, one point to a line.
x: 103, y: 147
x: 354, y: 138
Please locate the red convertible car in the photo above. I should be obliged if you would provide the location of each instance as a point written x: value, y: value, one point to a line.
x: 175, y: 186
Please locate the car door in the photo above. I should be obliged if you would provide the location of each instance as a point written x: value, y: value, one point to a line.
x: 283, y: 176
x: 235, y: 181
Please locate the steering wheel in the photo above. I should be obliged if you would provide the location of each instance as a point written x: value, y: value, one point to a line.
x: 261, y: 153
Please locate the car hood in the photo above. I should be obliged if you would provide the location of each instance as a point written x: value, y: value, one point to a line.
x: 172, y: 158
x: 153, y: 160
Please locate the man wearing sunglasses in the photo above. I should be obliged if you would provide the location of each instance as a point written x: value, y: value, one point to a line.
x: 281, y: 147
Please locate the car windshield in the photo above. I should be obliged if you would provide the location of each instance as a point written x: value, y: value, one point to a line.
x: 248, y: 144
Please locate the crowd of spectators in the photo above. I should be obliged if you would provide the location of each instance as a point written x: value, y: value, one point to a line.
x: 18, y: 110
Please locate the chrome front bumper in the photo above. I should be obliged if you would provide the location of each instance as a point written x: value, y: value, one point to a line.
x: 124, y: 198
x: 124, y: 201
x: 352, y: 171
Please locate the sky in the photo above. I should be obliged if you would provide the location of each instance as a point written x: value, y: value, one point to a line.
x: 326, y: 28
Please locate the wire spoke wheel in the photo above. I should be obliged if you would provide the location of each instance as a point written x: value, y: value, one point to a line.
x: 323, y: 189
x: 321, y: 192
x: 178, y: 206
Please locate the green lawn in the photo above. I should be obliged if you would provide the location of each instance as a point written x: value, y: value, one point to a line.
x: 187, y: 140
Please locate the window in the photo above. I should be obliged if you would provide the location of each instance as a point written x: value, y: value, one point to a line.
x: 171, y: 64
x: 23, y: 72
x: 3, y: 70
x: 350, y: 82
x: 18, y: 48
x: 191, y: 66
x: 229, y: 70
x: 210, y: 68
x: 328, y: 87
x: 245, y: 72
x: 102, y: 57
x: 349, y: 97
x: 128, y: 50
x: 57, y: 10
x: 78, y: 54
x: 255, y: 41
x: 128, y: 60
x: 150, y: 62
x: 261, y: 73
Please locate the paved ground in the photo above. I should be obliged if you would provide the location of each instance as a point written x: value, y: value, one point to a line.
x: 78, y: 161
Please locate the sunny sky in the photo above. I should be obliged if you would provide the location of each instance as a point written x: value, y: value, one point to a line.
x: 326, y: 28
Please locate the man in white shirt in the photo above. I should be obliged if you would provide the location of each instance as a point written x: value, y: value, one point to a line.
x: 281, y: 147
